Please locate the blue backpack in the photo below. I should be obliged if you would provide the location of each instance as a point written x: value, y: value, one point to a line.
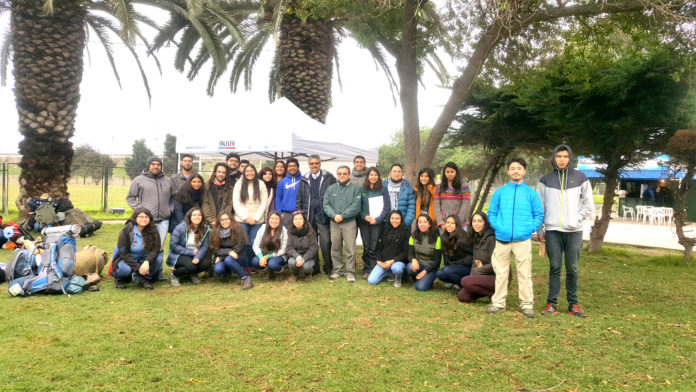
x: 55, y: 270
x: 21, y: 264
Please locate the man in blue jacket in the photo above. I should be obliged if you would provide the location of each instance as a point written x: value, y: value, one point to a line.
x: 515, y: 212
x: 286, y: 192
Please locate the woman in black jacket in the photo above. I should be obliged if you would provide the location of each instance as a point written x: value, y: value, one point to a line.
x: 189, y: 195
x: 457, y: 249
x: 302, y: 248
x: 137, y: 251
x: 228, y: 242
x: 481, y: 282
x: 391, y: 251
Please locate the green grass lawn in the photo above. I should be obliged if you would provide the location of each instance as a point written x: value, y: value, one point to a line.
x: 323, y: 335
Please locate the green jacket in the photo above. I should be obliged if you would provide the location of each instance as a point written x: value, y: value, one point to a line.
x: 342, y: 199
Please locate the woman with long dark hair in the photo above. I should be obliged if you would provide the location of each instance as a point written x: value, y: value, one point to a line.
x: 372, y: 222
x: 481, y: 282
x: 228, y: 242
x: 424, y: 253
x: 453, y: 196
x: 189, y: 195
x: 268, y: 177
x: 138, y: 249
x: 188, y: 247
x: 457, y: 249
x: 302, y: 248
x: 425, y: 193
x: 270, y: 245
x: 280, y: 170
x: 391, y: 251
x: 249, y: 200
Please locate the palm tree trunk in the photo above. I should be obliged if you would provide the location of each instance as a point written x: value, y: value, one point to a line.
x: 306, y: 50
x: 47, y: 60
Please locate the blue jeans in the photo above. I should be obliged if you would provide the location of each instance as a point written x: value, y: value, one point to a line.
x: 558, y: 244
x: 378, y: 273
x: 453, y: 273
x: 425, y: 283
x: 162, y: 229
x: 250, y: 231
x: 228, y: 265
x: 125, y: 272
x: 274, y: 263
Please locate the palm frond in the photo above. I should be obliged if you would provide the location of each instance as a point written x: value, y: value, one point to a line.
x: 338, y: 70
x: 246, y: 59
x: 436, y: 64
x: 131, y: 48
x: 378, y: 58
x: 5, y: 50
x: 124, y: 12
x: 98, y: 25
x: 195, y: 7
x: 48, y: 7
x: 167, y: 32
x: 188, y: 41
x: 274, y: 77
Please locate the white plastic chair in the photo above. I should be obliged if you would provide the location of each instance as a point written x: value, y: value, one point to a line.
x: 648, y: 214
x: 669, y: 214
x: 640, y: 212
x: 627, y: 211
x: 658, y: 215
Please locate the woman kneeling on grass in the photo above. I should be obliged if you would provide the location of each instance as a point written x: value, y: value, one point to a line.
x: 391, y: 251
x: 457, y: 249
x: 188, y: 247
x: 481, y: 282
x: 425, y: 253
x: 302, y: 248
x: 228, y: 242
x: 137, y: 250
x: 270, y: 245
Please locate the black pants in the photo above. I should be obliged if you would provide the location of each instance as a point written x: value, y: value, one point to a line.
x: 324, y: 236
x: 184, y: 266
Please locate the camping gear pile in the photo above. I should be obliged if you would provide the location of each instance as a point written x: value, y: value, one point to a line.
x: 45, y: 212
x: 53, y: 265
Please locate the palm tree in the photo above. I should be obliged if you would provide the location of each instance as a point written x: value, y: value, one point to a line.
x: 305, y: 50
x: 46, y: 43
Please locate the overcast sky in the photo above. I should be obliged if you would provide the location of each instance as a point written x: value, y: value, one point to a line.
x: 110, y: 119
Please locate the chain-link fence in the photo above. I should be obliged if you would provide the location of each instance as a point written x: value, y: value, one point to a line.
x: 98, y: 189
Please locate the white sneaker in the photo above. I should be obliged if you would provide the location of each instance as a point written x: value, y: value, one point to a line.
x: 397, y: 281
x: 350, y: 278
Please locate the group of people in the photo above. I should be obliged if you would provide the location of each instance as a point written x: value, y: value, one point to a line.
x: 242, y: 221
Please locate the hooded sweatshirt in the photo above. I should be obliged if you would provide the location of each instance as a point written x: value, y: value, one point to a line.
x: 566, y: 196
x: 286, y: 192
x: 154, y: 192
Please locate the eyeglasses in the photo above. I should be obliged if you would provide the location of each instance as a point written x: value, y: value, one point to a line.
x: 313, y: 163
x: 343, y: 174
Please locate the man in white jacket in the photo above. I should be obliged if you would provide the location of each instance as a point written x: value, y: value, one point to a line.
x: 566, y: 194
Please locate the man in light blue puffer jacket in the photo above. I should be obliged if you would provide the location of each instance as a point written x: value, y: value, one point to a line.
x: 515, y: 212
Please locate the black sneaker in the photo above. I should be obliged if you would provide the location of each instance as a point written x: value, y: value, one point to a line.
x: 147, y: 284
x: 120, y: 285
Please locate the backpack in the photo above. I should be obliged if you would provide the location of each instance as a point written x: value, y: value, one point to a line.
x: 76, y: 216
x: 21, y: 264
x: 56, y: 268
x: 90, y: 259
x: 45, y: 215
x: 75, y: 285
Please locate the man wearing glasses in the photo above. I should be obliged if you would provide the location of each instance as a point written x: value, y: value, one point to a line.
x: 310, y: 199
x: 341, y: 205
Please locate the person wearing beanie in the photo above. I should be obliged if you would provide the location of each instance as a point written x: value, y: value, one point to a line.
x: 154, y: 191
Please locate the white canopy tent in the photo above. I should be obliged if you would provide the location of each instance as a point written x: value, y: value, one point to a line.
x: 285, y: 131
